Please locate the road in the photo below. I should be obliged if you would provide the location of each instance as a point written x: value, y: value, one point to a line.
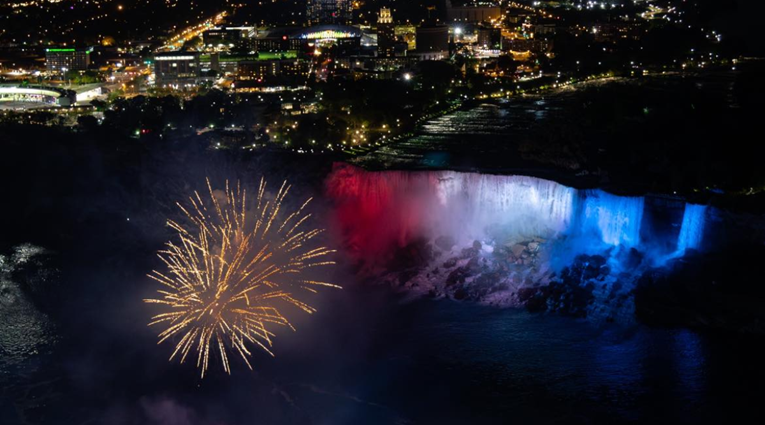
x: 189, y: 33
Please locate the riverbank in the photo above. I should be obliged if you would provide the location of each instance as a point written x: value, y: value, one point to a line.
x: 622, y: 135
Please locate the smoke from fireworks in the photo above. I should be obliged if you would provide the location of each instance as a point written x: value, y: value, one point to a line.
x: 235, y: 266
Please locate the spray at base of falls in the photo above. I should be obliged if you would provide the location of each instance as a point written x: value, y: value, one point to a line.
x: 506, y: 234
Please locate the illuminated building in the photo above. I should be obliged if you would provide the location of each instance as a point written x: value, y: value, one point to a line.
x: 38, y: 94
x: 176, y: 68
x: 58, y: 61
x: 227, y: 37
x: 281, y: 43
x: 407, y: 33
x: 257, y: 70
x: 223, y: 63
x: 307, y: 39
x: 386, y: 34
x: 293, y: 68
x: 379, y: 68
x: 329, y: 12
x: 266, y: 70
x: 521, y: 46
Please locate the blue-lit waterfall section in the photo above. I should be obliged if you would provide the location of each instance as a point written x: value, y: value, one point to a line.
x: 616, y: 219
x: 692, y: 229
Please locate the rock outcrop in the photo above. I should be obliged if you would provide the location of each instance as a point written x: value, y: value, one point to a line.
x: 512, y: 273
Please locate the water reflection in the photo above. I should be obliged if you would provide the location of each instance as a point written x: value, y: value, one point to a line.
x: 25, y: 330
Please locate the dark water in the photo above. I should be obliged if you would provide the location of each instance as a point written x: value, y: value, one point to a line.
x: 369, y: 357
x: 488, y: 135
x: 469, y: 138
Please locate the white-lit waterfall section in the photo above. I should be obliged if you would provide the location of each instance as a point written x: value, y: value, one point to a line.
x: 692, y: 229
x: 534, y: 207
x: 616, y: 219
x: 528, y: 206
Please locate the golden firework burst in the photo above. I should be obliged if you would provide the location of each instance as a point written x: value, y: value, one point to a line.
x: 233, y: 269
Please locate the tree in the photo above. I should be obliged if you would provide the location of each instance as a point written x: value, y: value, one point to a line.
x: 87, y: 122
x: 507, y: 64
x: 194, y: 44
x: 436, y: 74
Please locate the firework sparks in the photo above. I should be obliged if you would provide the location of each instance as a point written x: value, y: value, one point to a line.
x: 235, y: 266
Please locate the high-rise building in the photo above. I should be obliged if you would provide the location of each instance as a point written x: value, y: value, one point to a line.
x: 175, y: 68
x: 228, y: 37
x: 329, y: 12
x: 267, y: 70
x: 386, y: 34
x: 58, y: 61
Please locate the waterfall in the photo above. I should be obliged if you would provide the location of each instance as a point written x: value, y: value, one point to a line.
x: 530, y: 206
x: 616, y: 219
x: 692, y: 229
x: 378, y: 211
